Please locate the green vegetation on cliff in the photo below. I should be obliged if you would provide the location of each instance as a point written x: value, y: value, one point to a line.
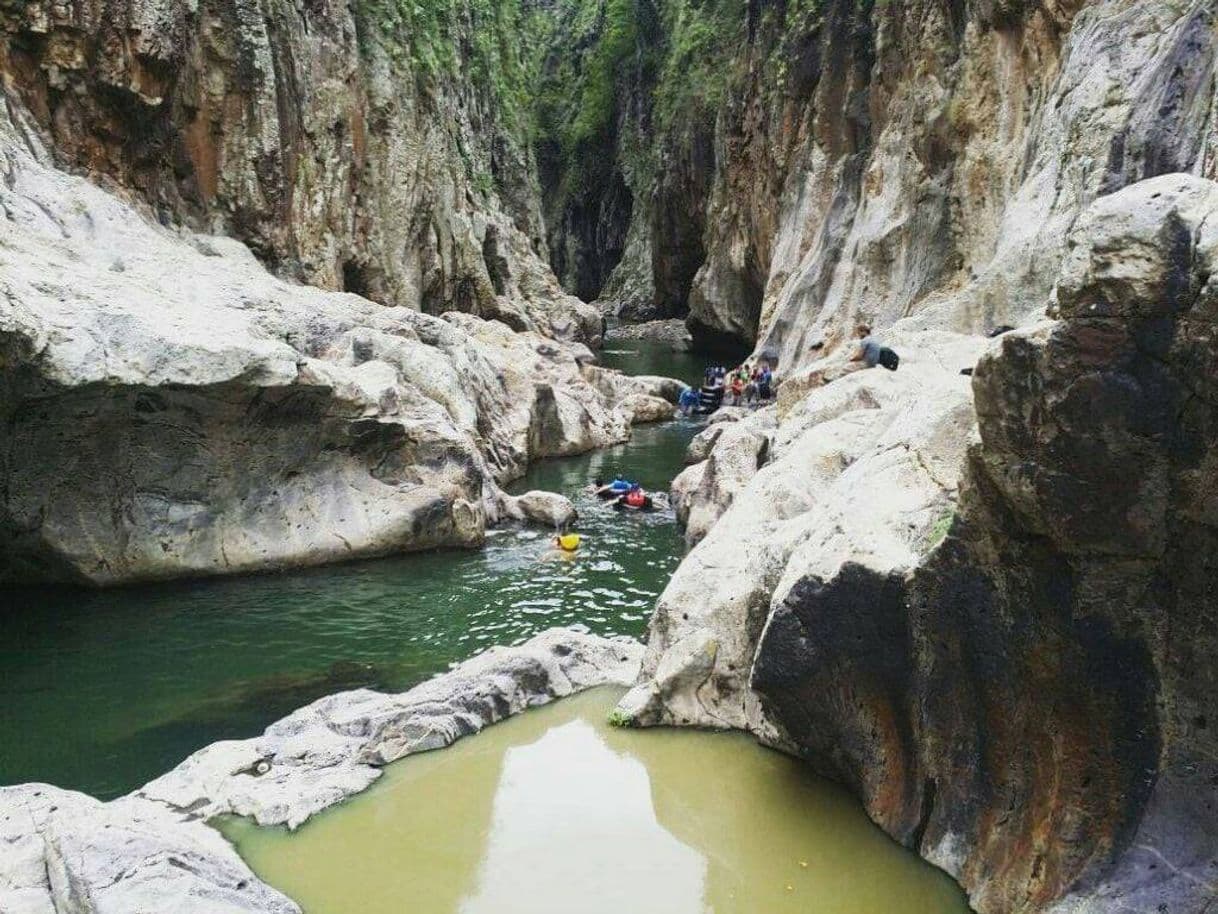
x: 699, y: 43
x: 493, y: 45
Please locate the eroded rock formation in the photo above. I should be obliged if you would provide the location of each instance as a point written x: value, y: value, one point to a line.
x: 170, y: 408
x: 1004, y: 652
x: 810, y: 163
x: 153, y: 851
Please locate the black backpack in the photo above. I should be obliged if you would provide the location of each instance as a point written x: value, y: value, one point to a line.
x: 889, y: 359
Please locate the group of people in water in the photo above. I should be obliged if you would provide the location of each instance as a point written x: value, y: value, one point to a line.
x: 625, y: 494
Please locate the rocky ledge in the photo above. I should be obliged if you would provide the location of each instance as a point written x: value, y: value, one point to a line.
x: 152, y: 851
x: 171, y: 408
x: 988, y: 607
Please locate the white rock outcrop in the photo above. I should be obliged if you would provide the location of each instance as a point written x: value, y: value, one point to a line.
x: 548, y: 509
x: 152, y: 852
x: 864, y: 469
x: 173, y: 409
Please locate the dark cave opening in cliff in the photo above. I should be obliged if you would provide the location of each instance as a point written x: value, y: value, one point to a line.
x: 355, y: 279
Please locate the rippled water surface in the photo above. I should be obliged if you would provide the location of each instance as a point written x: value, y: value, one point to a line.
x: 554, y: 812
x: 103, y: 691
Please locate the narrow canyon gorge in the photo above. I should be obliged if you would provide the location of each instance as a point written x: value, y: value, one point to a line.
x: 289, y: 283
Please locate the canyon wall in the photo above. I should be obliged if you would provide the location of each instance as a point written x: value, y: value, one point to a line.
x: 170, y: 408
x: 987, y: 608
x: 814, y: 163
x: 370, y: 147
x: 979, y: 602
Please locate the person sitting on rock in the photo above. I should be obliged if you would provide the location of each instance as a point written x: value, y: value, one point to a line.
x: 871, y: 353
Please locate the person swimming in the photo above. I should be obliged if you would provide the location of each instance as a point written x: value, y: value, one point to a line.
x: 615, y: 489
x: 636, y: 500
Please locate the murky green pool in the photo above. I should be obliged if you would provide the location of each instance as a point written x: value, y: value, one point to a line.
x: 101, y: 691
x: 554, y: 812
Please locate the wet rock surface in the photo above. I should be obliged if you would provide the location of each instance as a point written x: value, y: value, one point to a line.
x: 152, y: 851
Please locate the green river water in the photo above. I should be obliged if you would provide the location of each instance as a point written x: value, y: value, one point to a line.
x: 102, y: 691
x: 554, y: 812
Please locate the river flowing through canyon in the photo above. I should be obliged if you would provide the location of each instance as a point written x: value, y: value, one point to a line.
x: 110, y: 688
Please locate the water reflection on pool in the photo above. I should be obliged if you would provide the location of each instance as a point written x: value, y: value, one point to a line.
x: 554, y: 811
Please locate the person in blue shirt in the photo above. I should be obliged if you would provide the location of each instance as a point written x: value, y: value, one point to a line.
x: 618, y: 487
x: 765, y: 380
x: 687, y: 401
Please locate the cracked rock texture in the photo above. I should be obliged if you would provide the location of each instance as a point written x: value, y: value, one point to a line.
x: 152, y: 851
x: 170, y: 408
x: 989, y: 611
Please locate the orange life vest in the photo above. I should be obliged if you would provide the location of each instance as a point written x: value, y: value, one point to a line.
x: 635, y: 499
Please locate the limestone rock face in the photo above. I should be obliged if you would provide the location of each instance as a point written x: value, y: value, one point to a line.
x: 1030, y: 708
x: 170, y: 408
x: 880, y: 160
x: 1001, y: 646
x: 65, y: 851
x: 153, y: 852
x: 349, y: 149
x: 704, y: 491
x: 863, y: 469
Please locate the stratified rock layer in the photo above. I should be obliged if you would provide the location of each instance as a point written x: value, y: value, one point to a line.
x: 350, y: 148
x: 151, y: 852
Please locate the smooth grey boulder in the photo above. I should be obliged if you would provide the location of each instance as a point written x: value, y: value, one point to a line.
x: 549, y: 509
x: 864, y: 469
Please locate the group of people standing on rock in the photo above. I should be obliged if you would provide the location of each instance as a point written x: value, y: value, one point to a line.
x: 744, y: 385
x: 749, y: 383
